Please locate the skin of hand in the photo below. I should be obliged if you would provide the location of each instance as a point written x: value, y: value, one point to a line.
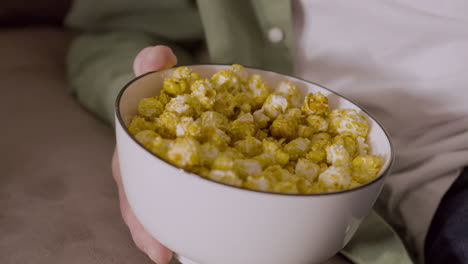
x: 149, y: 59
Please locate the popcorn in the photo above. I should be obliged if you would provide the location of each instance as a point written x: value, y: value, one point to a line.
x: 231, y: 129
x: 275, y: 105
x: 184, y: 152
x: 335, y: 178
x: 145, y: 137
x: 223, y: 161
x: 349, y: 143
x: 317, y: 123
x: 167, y: 122
x: 362, y: 146
x: 185, y: 73
x: 307, y: 169
x: 186, y: 126
x: 348, y: 122
x: 337, y: 155
x: 175, y: 86
x: 247, y: 167
x: 365, y: 168
x: 208, y: 153
x: 257, y: 90
x: 315, y: 104
x: 138, y: 124
x: 182, y: 105
x: 225, y: 176
x: 297, y: 148
x: 224, y: 104
x: 227, y: 81
x: 249, y: 146
x: 203, y: 90
x: 284, y: 128
x: 290, y: 91
x: 214, y: 119
x: 150, y: 107
x: 239, y: 129
x: 260, y: 119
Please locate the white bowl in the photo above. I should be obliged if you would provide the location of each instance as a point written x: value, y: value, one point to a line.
x: 207, y: 222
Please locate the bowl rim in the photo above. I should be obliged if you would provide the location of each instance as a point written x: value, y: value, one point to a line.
x: 382, y: 175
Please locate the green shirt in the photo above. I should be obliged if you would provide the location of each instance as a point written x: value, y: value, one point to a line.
x: 112, y: 32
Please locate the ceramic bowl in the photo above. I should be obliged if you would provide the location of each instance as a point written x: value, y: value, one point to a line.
x: 207, y: 222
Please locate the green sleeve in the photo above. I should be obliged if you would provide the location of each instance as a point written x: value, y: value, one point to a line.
x: 110, y: 33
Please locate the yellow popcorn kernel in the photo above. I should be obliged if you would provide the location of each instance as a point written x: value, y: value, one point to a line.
x: 337, y: 155
x: 317, y: 123
x: 138, y: 124
x: 226, y: 81
x: 150, y: 107
x: 286, y: 187
x: 315, y: 104
x: 208, y: 153
x: 280, y: 174
x: 297, y: 148
x: 225, y: 176
x: 349, y: 143
x: 185, y: 73
x: 164, y: 98
x: 261, y: 134
x: 168, y: 122
x: 260, y: 183
x: 275, y: 105
x: 242, y: 102
x: 321, y: 137
x: 215, y: 136
x: 307, y: 169
x: 304, y: 186
x: 245, y: 117
x: 249, y: 146
x: 258, y: 90
x: 335, y: 178
x: 290, y: 91
x: 284, y: 128
x: 200, y: 170
x: 175, y: 86
x: 365, y: 168
x: 145, y: 137
x: 239, y: 129
x: 214, y: 119
x: 160, y: 146
x: 184, y: 152
x: 323, y: 167
x: 186, y: 126
x: 181, y: 105
x: 203, y: 90
x: 265, y: 159
x: 348, y: 122
x: 247, y: 167
x: 295, y: 114
x: 223, y: 162
x: 260, y: 119
x: 224, y: 104
x: 317, y: 151
x: 291, y: 166
x: 305, y: 131
x: 239, y: 70
x: 362, y: 146
x: 234, y: 153
x: 354, y: 184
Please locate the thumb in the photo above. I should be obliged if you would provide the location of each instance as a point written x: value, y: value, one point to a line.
x: 153, y: 59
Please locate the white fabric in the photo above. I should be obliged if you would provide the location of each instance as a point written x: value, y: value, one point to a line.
x: 407, y: 63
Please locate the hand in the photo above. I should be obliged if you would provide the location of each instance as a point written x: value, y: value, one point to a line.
x: 149, y: 59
